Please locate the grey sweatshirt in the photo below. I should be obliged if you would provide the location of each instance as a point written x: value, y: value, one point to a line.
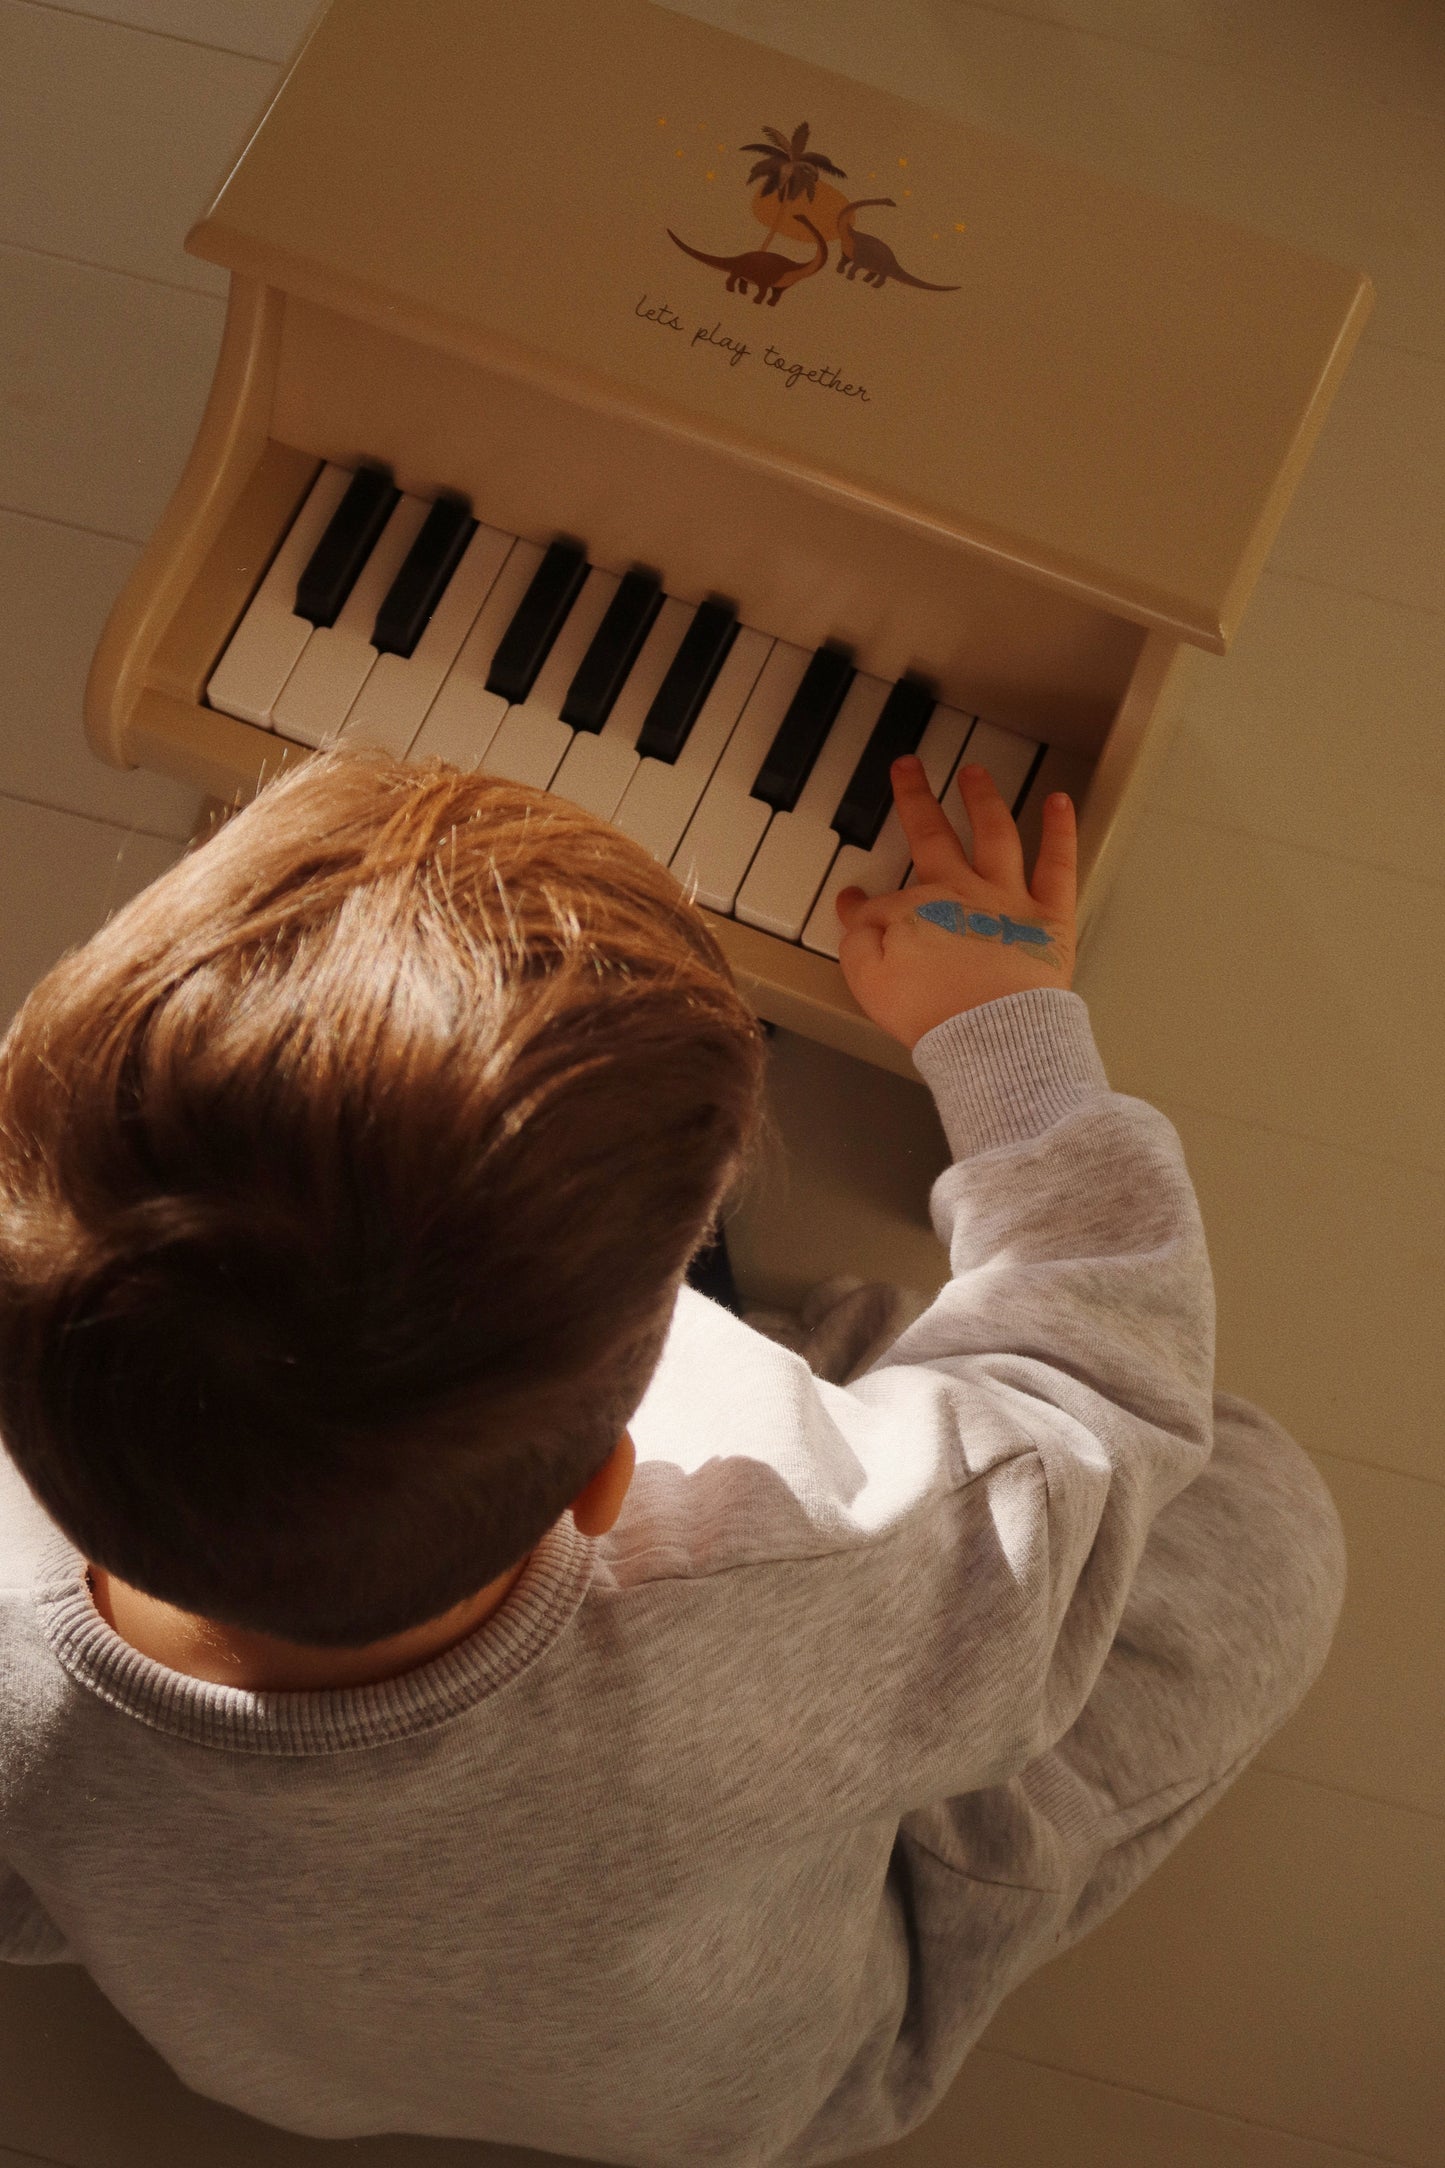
x: 618, y: 1875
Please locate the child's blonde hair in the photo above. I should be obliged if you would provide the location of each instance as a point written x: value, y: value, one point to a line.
x: 347, y: 1180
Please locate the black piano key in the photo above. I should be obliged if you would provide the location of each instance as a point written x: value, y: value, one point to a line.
x: 866, y: 803
x: 600, y: 673
x: 789, y: 759
x: 421, y: 582
x: 541, y: 614
x: 335, y: 564
x: 691, y: 676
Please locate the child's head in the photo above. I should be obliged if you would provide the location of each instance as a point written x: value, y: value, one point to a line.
x: 347, y: 1180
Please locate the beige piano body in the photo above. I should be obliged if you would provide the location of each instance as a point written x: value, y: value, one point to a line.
x: 450, y: 249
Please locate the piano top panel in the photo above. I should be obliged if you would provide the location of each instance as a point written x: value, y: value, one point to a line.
x: 1113, y: 396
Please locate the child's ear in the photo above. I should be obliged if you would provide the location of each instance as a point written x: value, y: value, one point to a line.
x: 595, y: 1509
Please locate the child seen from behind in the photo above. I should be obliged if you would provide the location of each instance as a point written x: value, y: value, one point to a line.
x: 463, y: 1681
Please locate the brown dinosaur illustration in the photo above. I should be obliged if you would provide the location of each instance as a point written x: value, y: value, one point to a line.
x: 770, y: 273
x: 874, y: 258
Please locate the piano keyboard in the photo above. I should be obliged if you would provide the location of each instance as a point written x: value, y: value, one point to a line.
x: 756, y: 770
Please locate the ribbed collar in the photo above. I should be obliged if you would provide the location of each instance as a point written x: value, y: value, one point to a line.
x: 331, y: 1720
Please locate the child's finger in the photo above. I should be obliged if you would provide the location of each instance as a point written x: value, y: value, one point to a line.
x: 856, y: 906
x: 938, y: 856
x: 998, y: 855
x: 1056, y: 872
x: 851, y: 905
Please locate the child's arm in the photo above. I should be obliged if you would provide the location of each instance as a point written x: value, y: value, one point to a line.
x: 28, y: 1935
x: 1067, y: 1366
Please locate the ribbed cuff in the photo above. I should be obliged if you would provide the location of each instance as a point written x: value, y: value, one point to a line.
x: 1010, y: 1069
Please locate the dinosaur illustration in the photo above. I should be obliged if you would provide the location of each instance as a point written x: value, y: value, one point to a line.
x: 770, y: 273
x: 822, y: 207
x: 874, y: 258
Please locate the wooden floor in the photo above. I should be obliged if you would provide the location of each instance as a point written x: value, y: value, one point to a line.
x: 1270, y: 973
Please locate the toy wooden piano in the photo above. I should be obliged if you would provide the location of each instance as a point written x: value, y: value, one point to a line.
x: 626, y: 408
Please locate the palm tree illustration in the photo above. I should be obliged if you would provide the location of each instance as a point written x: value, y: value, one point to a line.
x: 788, y: 169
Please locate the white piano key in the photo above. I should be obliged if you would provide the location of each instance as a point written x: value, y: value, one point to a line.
x: 533, y: 738
x: 663, y: 794
x: 730, y: 822
x: 266, y: 646
x: 793, y: 859
x: 880, y: 871
x: 392, y: 704
x: 600, y: 764
x: 1007, y: 758
x: 464, y: 718
x: 336, y: 661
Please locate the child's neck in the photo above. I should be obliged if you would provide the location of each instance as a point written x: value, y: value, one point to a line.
x: 228, y: 1656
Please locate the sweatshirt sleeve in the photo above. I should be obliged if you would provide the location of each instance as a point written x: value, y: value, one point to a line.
x: 1063, y: 1375
x: 28, y: 1935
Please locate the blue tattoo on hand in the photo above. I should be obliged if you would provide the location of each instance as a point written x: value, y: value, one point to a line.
x: 953, y: 918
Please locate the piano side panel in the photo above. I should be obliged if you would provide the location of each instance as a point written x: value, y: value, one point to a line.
x: 227, y: 759
x: 231, y: 439
x: 231, y: 571
x: 800, y: 564
x: 1130, y: 760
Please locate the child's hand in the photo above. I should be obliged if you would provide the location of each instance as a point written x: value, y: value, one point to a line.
x: 909, y: 973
